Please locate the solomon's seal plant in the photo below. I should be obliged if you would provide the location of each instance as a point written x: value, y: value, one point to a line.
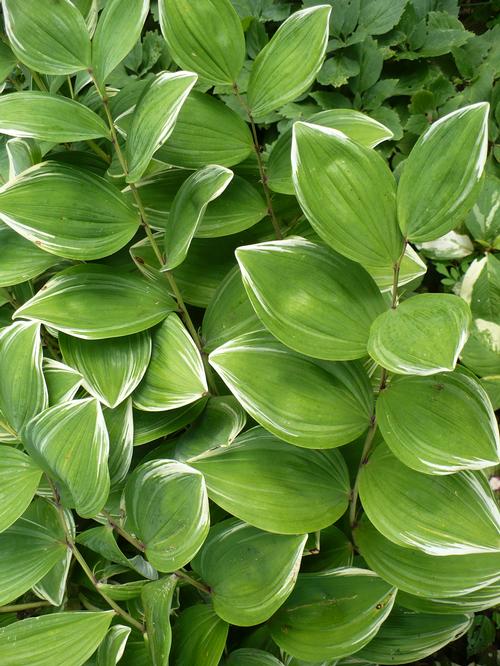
x: 239, y: 424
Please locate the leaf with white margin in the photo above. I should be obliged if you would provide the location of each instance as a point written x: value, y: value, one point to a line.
x: 62, y: 381
x: 19, y: 478
x: 113, y: 646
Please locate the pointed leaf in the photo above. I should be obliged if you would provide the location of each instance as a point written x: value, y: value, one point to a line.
x: 250, y: 573
x: 188, y: 209
x: 19, y: 478
x: 60, y: 638
x: 149, y: 426
x: 330, y: 615
x: 423, y: 336
x: 95, y: 301
x: 157, y: 600
x: 52, y: 587
x: 440, y: 515
x: 97, y: 219
x: 440, y: 179
x: 206, y: 37
x: 167, y: 508
x: 439, y: 424
x: 62, y: 381
x: 288, y: 64
x: 47, y: 117
x: 325, y: 305
x: 52, y: 39
x: 274, y: 486
x: 23, y: 392
x: 120, y: 426
x: 199, y: 637
x: 175, y: 376
x: 111, y: 369
x: 113, y: 646
x: 154, y: 118
x: 356, y: 213
x: 70, y: 443
x: 306, y: 403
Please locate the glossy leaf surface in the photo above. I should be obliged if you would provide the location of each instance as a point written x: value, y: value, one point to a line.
x: 19, y: 478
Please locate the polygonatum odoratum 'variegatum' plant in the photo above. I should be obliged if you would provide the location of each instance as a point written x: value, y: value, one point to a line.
x: 238, y: 423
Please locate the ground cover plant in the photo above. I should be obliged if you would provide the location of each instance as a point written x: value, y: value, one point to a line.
x: 249, y: 332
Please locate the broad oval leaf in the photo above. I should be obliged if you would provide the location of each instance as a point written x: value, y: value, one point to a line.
x: 250, y: 572
x: 47, y: 117
x: 325, y: 305
x: 307, y: 403
x: 288, y: 64
x: 154, y: 119
x: 95, y: 301
x: 175, y: 376
x: 119, y: 27
x: 274, y: 486
x: 157, y: 600
x: 407, y: 637
x: 251, y: 657
x: 357, y: 126
x: 440, y: 179
x: 23, y: 392
x: 332, y: 614
x: 440, y: 515
x: 423, y: 336
x: 29, y: 549
x: 205, y: 36
x: 425, y: 575
x: 199, y: 637
x: 188, y: 209
x: 439, y: 424
x: 98, y: 221
x: 207, y: 131
x: 356, y: 212
x: 111, y: 369
x: 70, y: 443
x: 52, y: 39
x: 473, y: 602
x: 21, y: 260
x: 60, y: 638
x: 167, y: 508
x: 19, y: 478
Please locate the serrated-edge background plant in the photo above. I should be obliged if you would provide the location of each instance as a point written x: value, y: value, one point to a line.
x: 249, y: 332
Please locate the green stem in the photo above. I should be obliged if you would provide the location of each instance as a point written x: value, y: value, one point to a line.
x: 199, y: 586
x: 39, y: 81
x: 70, y: 86
x: 99, y: 151
x: 260, y: 163
x: 16, y: 608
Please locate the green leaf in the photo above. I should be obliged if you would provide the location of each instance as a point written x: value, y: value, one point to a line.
x: 229, y: 313
x: 60, y: 638
x: 325, y: 305
x: 411, y: 268
x: 188, y: 209
x: 356, y: 212
x: 199, y: 637
x: 307, y: 403
x: 379, y: 16
x: 120, y: 426
x: 157, y: 600
x: 288, y: 64
x: 62, y: 381
x: 407, y: 637
x: 149, y: 426
x: 274, y: 486
x: 175, y: 376
x: 51, y: 40
x: 206, y: 37
x: 19, y: 478
x: 95, y: 301
x: 29, y: 549
x: 154, y: 119
x: 440, y: 179
x: 70, y: 443
x: 47, y: 117
x: 483, y: 221
x: 425, y: 575
x: 357, y: 126
x: 23, y: 392
x: 250, y: 572
x: 167, y: 508
x: 207, y: 132
x: 251, y: 657
x: 482, y: 350
x: 423, y: 336
x: 97, y: 219
x: 440, y: 515
x: 119, y: 27
x: 439, y: 424
x: 332, y: 614
x: 21, y: 260
x: 480, y: 288
x: 329, y: 549
x: 221, y: 421
x: 111, y: 369
x: 472, y: 602
x: 111, y: 649
x: 22, y: 153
